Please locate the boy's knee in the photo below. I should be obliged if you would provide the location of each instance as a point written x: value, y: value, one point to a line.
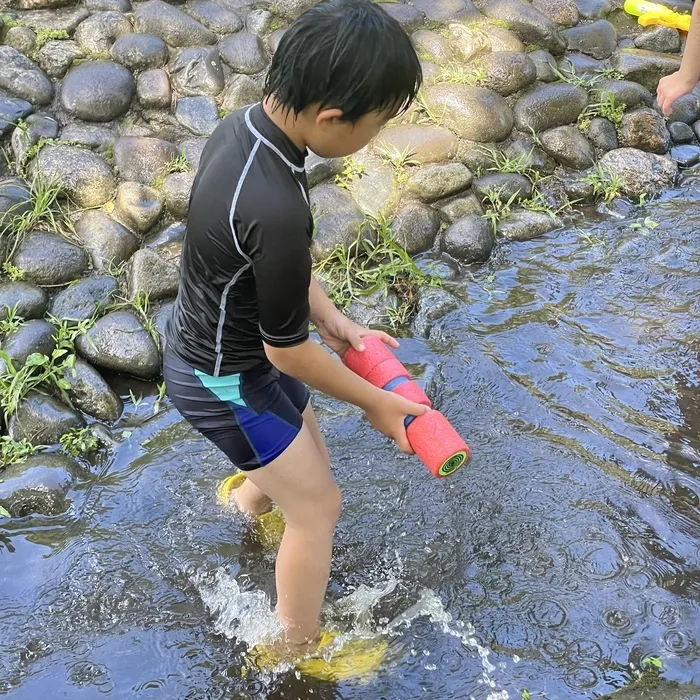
x: 320, y: 510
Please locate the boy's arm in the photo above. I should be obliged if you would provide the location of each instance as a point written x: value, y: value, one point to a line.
x: 684, y: 80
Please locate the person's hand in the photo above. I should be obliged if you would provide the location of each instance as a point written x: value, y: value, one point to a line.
x: 671, y: 88
x: 387, y: 415
x: 339, y: 333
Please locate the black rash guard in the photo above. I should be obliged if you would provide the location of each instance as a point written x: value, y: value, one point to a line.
x: 246, y: 261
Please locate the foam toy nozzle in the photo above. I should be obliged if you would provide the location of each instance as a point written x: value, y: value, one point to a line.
x: 649, y: 13
x: 431, y: 436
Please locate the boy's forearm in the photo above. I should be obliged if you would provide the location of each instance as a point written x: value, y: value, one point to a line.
x: 690, y: 64
x: 322, y: 308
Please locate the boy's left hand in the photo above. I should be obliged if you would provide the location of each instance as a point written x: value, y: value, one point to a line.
x: 339, y: 333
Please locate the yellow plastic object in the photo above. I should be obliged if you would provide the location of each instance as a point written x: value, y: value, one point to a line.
x: 649, y: 13
x: 269, y: 527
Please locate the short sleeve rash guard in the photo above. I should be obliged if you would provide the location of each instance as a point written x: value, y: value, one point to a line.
x: 246, y: 261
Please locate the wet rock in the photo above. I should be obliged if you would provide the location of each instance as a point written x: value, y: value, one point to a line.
x: 373, y: 309
x: 274, y: 39
x: 424, y: 143
x: 563, y: 12
x: 96, y: 138
x: 216, y: 17
x: 528, y: 23
x: 107, y: 241
x: 97, y: 91
x: 602, y: 134
x: 153, y: 89
x: 23, y: 78
x: 473, y: 113
x: 84, y: 176
x: 244, y: 53
x: 99, y: 31
x: 291, y: 9
x: 37, y: 127
x: 138, y: 206
x: 197, y: 71
x: 376, y: 190
x: 660, y: 39
x: 140, y: 51
x: 508, y: 72
x: 32, y: 336
x: 192, y: 149
x: 530, y: 155
x: 504, y: 185
x: 443, y: 10
x: 435, y: 47
x: 56, y: 57
x: 549, y: 106
x: 21, y: 38
x: 168, y: 242
x: 433, y: 304
x: 681, y: 132
x: 258, y: 22
x: 598, y: 39
x: 320, y: 170
x: 415, y: 227
x: 48, y: 259
x: 91, y: 394
x: 461, y: 206
x: 433, y: 182
x: 38, y: 485
x: 171, y: 24
x: 28, y: 300
x: 150, y: 274
x: 645, y: 67
x: 199, y: 115
x: 85, y: 298
x: 640, y: 172
x: 685, y: 109
x: 66, y: 19
x: 43, y: 419
x: 177, y: 188
x: 406, y: 15
x: 338, y: 219
x: 569, y: 147
x: 575, y: 189
x: 580, y: 65
x: 162, y: 317
x: 241, y: 91
x: 469, y: 239
x: 118, y: 342
x: 593, y: 9
x: 142, y: 158
x: 685, y: 155
x: 660, y: 690
x: 644, y: 129
x: 625, y: 92
x: 523, y: 225
x: 15, y: 200
x: 544, y: 66
x: 123, y: 6
x: 502, y: 39
x: 465, y: 43
x: 12, y: 110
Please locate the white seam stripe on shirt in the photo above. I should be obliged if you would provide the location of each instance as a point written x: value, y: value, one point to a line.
x: 269, y: 144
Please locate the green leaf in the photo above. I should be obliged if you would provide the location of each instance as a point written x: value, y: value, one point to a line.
x: 4, y: 513
x: 653, y: 662
x: 69, y: 362
x: 525, y: 694
x: 36, y: 359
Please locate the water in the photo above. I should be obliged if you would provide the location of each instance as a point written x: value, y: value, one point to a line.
x: 565, y: 552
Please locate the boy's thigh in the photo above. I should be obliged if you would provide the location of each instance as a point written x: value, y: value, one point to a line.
x: 312, y: 424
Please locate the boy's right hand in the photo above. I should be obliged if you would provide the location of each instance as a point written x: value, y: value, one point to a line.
x: 671, y: 88
x: 387, y: 415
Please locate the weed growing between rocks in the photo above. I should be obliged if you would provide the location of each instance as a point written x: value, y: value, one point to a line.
x: 456, y: 73
x: 607, y: 107
x: 11, y: 322
x: 423, y: 114
x: 141, y: 304
x: 504, y: 163
x: 399, y: 160
x: 179, y: 164
x: 80, y: 442
x: 606, y: 185
x: 15, y: 452
x: 498, y: 209
x: 352, y: 170
x: 586, y: 81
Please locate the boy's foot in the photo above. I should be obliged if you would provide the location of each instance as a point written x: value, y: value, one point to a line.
x: 269, y: 526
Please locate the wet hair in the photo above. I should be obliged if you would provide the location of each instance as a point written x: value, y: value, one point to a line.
x: 345, y: 54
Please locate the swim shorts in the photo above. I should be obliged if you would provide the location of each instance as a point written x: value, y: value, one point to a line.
x: 252, y: 417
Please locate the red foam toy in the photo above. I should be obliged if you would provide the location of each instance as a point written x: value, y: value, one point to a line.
x: 411, y: 391
x: 386, y: 372
x: 364, y: 362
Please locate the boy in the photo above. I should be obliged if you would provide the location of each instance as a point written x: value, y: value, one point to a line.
x: 238, y: 351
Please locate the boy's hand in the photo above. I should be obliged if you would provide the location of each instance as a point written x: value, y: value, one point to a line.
x: 387, y: 415
x: 339, y: 333
x: 671, y: 88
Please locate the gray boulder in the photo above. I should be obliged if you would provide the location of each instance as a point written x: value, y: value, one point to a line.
x: 216, y: 17
x: 659, y: 39
x: 433, y: 304
x: 177, y: 188
x: 685, y: 155
x: 192, y: 150
x: 544, y: 66
x: 338, y: 219
x: 91, y: 394
x: 171, y: 24
x: 241, y: 91
x: 684, y: 109
x: 580, y: 65
x: 21, y: 38
x: 12, y: 110
x: 199, y: 115
x: 162, y: 317
x: 197, y: 71
x: 625, y: 92
x: 531, y: 156
x: 43, y: 419
x: 56, y: 57
x: 49, y: 259
x: 640, y: 172
x: 140, y: 51
x: 508, y: 71
x: 433, y: 182
x: 320, y: 170
x: 523, y: 225
x: 593, y: 9
x: 406, y: 15
x: 436, y: 47
x: 507, y: 185
x: 549, y: 106
x: 99, y: 31
x: 23, y: 78
x: 96, y: 138
x: 645, y: 67
x: 598, y: 39
x: 32, y: 336
x: 469, y: 239
x: 107, y: 241
x: 66, y: 19
x: 563, y: 12
x: 443, y: 10
x: 85, y: 298
x: 37, y: 127
x: 602, y: 134
x: 425, y: 143
x: 138, y: 206
x: 376, y: 191
x: 291, y: 9
x: 168, y: 242
x: 142, y: 158
x: 461, y: 206
x: 681, y: 132
x: 244, y: 53
x: 15, y: 200
x: 373, y: 310
x: 153, y: 89
x: 415, y: 227
x: 28, y: 300
x: 151, y: 274
x: 569, y: 147
x: 644, y: 129
x: 105, y: 5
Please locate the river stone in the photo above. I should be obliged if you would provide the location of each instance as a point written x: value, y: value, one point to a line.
x: 598, y: 39
x: 406, y: 15
x: 36, y: 127
x: 533, y: 157
x: 12, y: 110
x: 244, y: 53
x: 84, y: 176
x: 660, y: 39
x: 580, y: 65
x: 640, y: 172
x: 96, y: 138
x: 153, y: 89
x: 436, y: 47
x: 258, y: 22
x: 241, y: 91
x: 142, y: 158
x: 197, y: 71
x: 681, y: 132
x: 138, y: 206
x: 528, y: 23
x: 375, y: 309
x: 593, y: 9
x: 425, y: 143
x: 32, y: 336
x: 150, y: 274
x: 291, y: 9
x: 506, y: 185
x: 49, y: 259
x: 508, y: 72
x: 21, y: 38
x: 273, y: 41
x: 563, y: 12
x: 473, y: 113
x: 461, y: 206
x: 15, y: 200
x: 108, y: 242
x: 160, y: 320
x: 625, y: 92
x: 338, y: 219
x: 43, y: 419
x: 415, y: 227
x: 320, y: 170
x: 199, y: 115
x: 56, y: 57
x: 91, y: 394
x: 85, y: 298
x: 215, y: 16
x: 177, y: 188
x: 28, y: 300
x: 549, y: 106
x: 443, y: 10
x: 140, y: 51
x: 433, y: 304
x: 66, y: 19
x: 119, y: 342
x: 645, y: 67
x: 469, y: 239
x: 376, y: 191
x: 523, y: 225
x: 433, y: 182
x: 171, y: 24
x: 644, y: 129
x: 685, y: 109
x: 685, y: 155
x: 23, y: 78
x: 502, y: 39
x: 569, y: 147
x: 38, y: 485
x: 192, y: 150
x: 98, y: 32
x: 602, y: 134
x: 544, y: 66
x: 97, y: 91
x: 123, y: 6
x: 168, y: 242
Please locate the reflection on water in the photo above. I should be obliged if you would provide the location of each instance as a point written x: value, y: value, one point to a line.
x: 566, y: 551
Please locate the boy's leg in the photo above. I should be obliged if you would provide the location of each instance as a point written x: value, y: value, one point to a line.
x: 300, y: 482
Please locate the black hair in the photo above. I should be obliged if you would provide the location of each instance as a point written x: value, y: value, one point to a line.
x: 345, y: 54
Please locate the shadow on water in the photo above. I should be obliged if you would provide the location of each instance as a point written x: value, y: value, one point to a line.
x: 565, y: 552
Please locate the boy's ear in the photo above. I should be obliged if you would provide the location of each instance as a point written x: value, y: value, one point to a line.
x: 328, y: 117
